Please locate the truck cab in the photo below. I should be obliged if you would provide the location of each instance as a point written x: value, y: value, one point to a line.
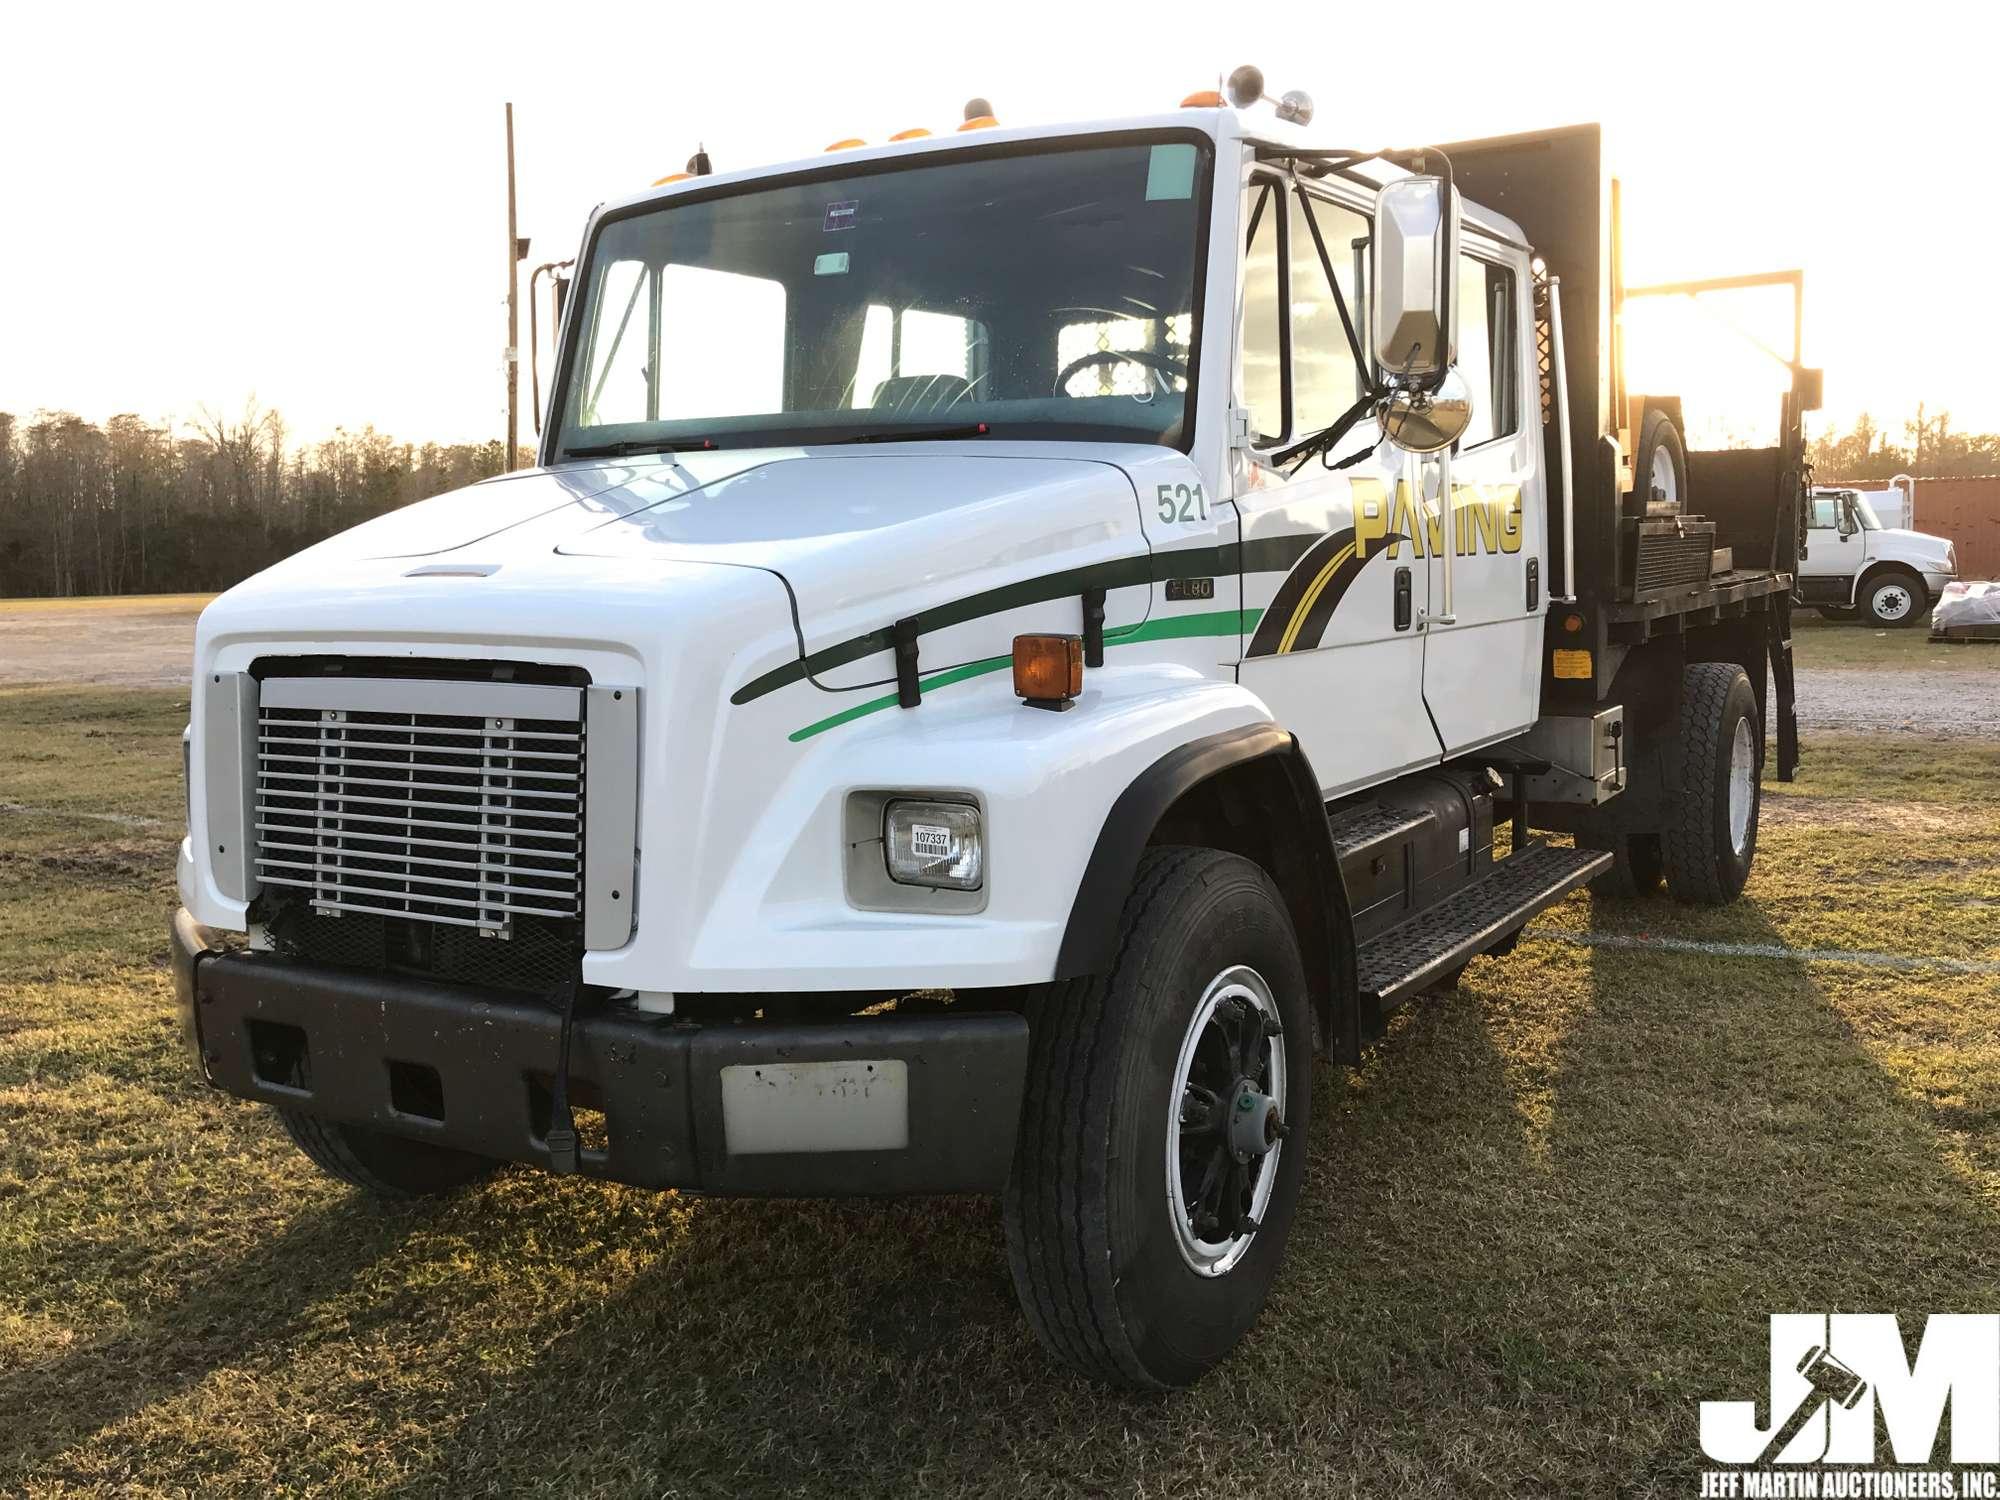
x: 1017, y: 642
x: 1855, y: 567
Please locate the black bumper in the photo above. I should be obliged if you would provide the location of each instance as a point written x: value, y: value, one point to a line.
x: 470, y: 1068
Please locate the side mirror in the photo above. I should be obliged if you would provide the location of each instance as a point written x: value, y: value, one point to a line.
x: 1414, y: 321
x: 1428, y: 421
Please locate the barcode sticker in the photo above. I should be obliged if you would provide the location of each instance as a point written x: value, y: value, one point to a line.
x: 930, y: 841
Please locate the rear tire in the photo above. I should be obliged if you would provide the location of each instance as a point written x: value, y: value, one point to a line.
x: 1710, y: 839
x: 1134, y: 1264
x: 388, y: 1166
x: 1894, y: 599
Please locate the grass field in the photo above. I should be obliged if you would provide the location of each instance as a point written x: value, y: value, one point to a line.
x: 1845, y: 643
x: 1546, y: 1218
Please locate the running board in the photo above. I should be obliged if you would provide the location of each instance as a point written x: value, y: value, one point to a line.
x: 1418, y: 953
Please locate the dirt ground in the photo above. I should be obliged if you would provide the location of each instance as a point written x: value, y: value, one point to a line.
x: 1851, y: 678
x: 147, y: 641
x: 1857, y: 680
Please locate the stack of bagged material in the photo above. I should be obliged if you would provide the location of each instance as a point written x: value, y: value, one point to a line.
x: 1967, y: 612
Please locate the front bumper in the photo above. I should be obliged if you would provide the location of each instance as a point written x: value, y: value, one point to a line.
x: 875, y: 1105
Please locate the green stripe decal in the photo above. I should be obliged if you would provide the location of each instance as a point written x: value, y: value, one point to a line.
x: 1170, y: 628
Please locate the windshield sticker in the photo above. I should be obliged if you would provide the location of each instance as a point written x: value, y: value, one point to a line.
x: 1169, y: 173
x: 842, y: 215
x: 833, y: 263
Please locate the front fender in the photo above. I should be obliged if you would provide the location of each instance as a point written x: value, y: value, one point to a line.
x: 779, y: 917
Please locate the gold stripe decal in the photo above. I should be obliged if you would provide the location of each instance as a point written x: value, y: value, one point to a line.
x: 1311, y: 598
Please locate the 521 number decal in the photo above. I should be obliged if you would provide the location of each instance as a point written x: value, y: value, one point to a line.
x: 1182, y: 502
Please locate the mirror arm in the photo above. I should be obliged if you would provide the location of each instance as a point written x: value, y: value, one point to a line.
x: 1327, y: 436
x: 1449, y: 614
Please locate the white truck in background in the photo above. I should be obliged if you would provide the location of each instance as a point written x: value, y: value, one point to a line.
x: 1854, y: 567
x: 1016, y: 647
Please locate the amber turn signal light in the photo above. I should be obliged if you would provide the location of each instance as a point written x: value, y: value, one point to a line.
x: 1048, y: 669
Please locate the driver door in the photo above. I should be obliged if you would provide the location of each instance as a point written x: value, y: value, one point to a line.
x: 1332, y: 588
x: 1826, y: 572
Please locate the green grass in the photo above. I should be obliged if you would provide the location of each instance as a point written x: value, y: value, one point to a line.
x: 1817, y: 642
x: 1544, y: 1220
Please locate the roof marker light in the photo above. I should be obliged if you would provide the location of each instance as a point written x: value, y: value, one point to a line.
x: 978, y: 115
x: 910, y: 135
x: 1202, y: 99
x: 847, y: 145
x: 672, y: 177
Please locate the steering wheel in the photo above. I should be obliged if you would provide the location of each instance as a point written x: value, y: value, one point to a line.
x: 1163, y: 367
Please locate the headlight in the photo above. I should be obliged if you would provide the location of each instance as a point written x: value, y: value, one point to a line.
x: 935, y: 844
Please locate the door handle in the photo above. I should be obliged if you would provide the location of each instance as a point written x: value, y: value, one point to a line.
x: 1402, y: 598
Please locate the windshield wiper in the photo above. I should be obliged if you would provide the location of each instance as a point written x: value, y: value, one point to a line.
x: 624, y: 447
x: 919, y: 434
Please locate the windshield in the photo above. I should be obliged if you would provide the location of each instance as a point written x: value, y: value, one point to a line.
x: 1043, y: 294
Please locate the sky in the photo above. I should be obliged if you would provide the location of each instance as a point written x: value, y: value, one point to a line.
x: 305, y: 204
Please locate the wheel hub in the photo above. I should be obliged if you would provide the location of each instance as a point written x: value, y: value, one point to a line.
x: 1227, y: 1128
x: 1255, y: 1122
x: 1742, y: 786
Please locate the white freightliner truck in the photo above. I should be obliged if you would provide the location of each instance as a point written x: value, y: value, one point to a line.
x: 1017, y: 643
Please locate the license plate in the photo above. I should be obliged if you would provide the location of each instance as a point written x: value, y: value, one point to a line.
x: 860, y: 1104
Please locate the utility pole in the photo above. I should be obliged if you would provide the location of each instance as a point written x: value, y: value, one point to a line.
x: 513, y: 308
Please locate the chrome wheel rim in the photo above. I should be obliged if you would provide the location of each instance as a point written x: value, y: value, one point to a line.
x: 1225, y: 1121
x: 1892, y: 601
x: 1663, y: 480
x: 1742, y: 786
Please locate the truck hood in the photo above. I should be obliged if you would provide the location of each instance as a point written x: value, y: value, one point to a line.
x: 1912, y: 546
x: 859, y: 540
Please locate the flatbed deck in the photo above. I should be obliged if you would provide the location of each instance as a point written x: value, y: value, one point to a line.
x: 1726, y: 596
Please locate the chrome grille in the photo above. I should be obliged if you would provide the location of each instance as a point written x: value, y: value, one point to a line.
x: 448, y: 802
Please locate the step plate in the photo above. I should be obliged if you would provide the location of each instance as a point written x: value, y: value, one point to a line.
x: 1417, y: 953
x: 1370, y: 825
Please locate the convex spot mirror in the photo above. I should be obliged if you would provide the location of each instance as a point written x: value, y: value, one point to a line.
x: 1421, y: 421
x: 1414, y: 323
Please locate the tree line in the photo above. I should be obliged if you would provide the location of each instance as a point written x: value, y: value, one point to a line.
x: 139, y: 507
x: 1930, y: 450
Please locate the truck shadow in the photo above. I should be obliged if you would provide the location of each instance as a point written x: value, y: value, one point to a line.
x: 219, y: 1322
x: 1547, y: 1217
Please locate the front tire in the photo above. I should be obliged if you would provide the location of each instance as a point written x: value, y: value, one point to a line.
x: 1163, y: 1130
x: 1894, y: 599
x: 1710, y: 838
x: 388, y: 1166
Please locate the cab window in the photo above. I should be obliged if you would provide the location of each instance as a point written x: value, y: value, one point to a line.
x: 1826, y: 512
x: 1324, y: 381
x: 1263, y: 314
x: 1488, y: 355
